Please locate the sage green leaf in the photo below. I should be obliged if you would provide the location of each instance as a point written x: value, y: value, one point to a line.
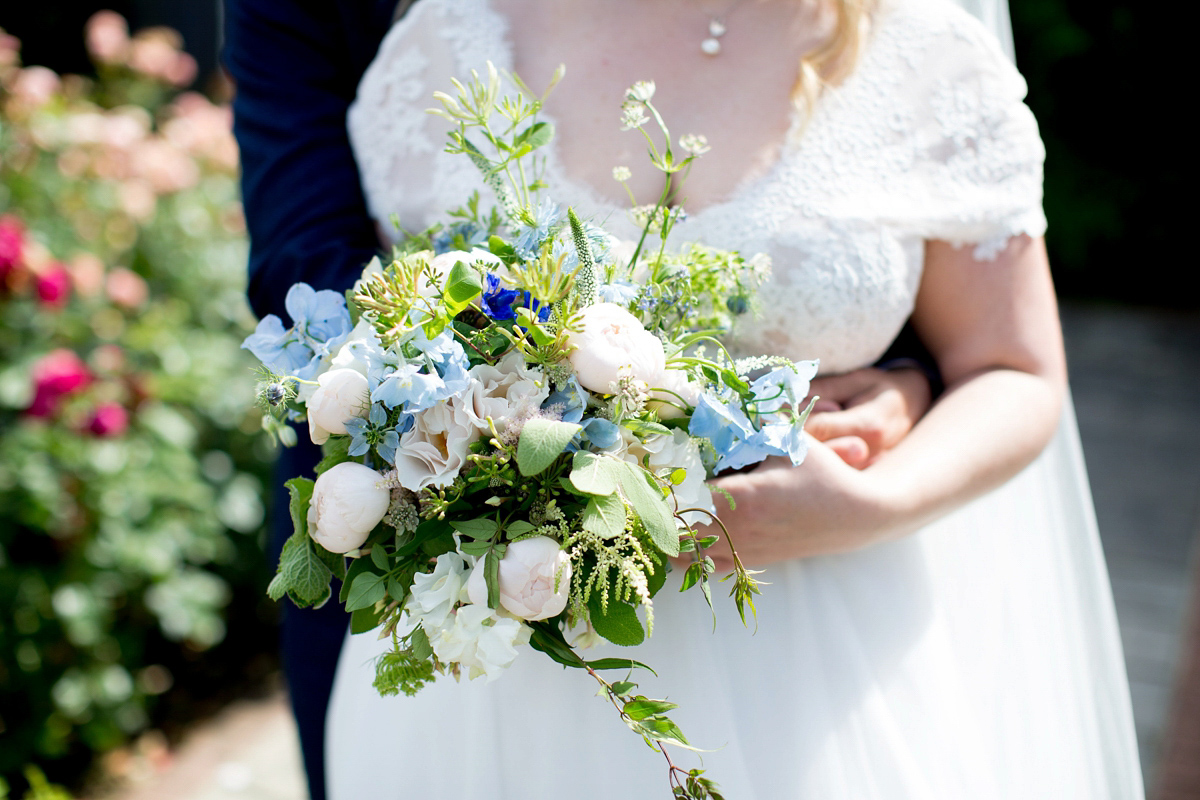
x: 364, y: 619
x: 645, y: 428
x: 491, y: 576
x: 537, y: 135
x: 594, y: 474
x: 651, y: 507
x: 477, y: 549
x: 419, y: 642
x: 482, y: 528
x: 518, y: 528
x: 619, y: 663
x: 462, y: 286
x: 542, y: 441
x: 620, y: 624
x: 379, y: 558
x: 641, y: 707
x: 299, y: 496
x: 605, y: 516
x: 366, y: 590
x: 335, y: 451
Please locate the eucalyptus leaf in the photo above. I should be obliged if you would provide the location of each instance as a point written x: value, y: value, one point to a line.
x: 542, y: 442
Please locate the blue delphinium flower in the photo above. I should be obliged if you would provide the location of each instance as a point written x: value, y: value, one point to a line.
x: 727, y: 427
x: 373, y: 432
x: 782, y: 386
x: 438, y: 374
x: 601, y: 432
x: 529, y: 238
x: 498, y: 301
x: 320, y: 323
x: 572, y: 398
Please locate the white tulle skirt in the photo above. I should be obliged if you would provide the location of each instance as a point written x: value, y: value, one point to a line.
x: 975, y: 660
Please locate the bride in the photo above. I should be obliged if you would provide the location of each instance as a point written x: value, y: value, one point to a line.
x: 938, y: 625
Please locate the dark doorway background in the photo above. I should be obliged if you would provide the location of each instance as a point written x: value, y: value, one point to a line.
x: 1105, y: 81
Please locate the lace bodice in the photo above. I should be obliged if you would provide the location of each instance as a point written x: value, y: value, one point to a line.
x: 927, y: 139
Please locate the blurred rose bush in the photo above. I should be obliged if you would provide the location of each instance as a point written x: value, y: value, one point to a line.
x: 130, y: 473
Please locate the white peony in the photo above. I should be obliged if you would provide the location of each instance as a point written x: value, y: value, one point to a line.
x: 674, y: 389
x: 535, y: 579
x: 506, y: 391
x: 480, y: 640
x: 663, y: 454
x: 435, y: 449
x: 435, y: 594
x: 341, y: 395
x: 612, y: 339
x: 347, y: 503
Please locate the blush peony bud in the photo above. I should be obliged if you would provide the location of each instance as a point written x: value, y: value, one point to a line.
x: 529, y: 573
x: 341, y: 395
x: 347, y: 503
x: 613, y: 339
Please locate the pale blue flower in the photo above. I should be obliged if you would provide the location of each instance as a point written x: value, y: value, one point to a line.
x: 473, y: 235
x: 601, y: 432
x: 529, y: 238
x: 320, y: 323
x: 620, y: 292
x: 437, y: 374
x: 373, y: 431
x: 782, y: 386
x: 573, y: 399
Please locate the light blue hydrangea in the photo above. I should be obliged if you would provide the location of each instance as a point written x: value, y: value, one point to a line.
x: 736, y: 441
x: 782, y: 386
x: 620, y: 292
x: 437, y: 374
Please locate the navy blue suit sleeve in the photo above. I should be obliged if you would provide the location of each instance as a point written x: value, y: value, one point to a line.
x: 295, y: 73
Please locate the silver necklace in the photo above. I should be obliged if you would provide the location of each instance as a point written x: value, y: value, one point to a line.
x: 716, y: 29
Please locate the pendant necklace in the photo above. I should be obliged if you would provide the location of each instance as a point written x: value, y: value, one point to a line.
x: 716, y: 29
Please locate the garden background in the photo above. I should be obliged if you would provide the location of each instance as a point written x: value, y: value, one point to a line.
x: 129, y: 611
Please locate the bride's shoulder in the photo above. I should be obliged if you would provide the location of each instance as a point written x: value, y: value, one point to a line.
x: 925, y: 31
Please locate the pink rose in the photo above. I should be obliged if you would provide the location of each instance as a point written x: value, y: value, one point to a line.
x: 109, y: 419
x: 55, y: 375
x: 54, y: 286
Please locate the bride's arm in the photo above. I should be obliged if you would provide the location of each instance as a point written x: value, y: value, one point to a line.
x: 993, y: 329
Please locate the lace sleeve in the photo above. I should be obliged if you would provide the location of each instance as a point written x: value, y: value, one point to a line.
x: 978, y: 142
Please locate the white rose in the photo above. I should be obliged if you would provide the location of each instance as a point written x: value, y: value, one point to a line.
x: 612, y: 339
x: 347, y: 503
x: 435, y: 449
x: 676, y: 388
x: 480, y: 640
x: 341, y: 395
x: 535, y: 579
x: 434, y: 595
x: 506, y: 391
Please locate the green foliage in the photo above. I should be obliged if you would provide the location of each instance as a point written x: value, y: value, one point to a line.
x: 133, y: 499
x: 402, y: 671
x: 618, y: 622
x: 542, y: 442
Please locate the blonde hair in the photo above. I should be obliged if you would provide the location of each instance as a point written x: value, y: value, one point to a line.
x: 836, y: 58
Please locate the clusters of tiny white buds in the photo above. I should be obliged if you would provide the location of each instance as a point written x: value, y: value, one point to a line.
x: 640, y: 92
x: 694, y: 144
x: 621, y: 174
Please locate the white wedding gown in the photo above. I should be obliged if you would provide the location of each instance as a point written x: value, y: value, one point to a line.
x: 976, y: 659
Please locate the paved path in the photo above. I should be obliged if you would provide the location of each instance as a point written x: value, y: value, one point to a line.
x: 1136, y: 381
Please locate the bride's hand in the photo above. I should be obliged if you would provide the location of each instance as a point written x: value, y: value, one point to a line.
x: 865, y: 412
x: 783, y: 512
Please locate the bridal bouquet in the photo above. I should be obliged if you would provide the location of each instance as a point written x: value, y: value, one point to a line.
x: 518, y: 413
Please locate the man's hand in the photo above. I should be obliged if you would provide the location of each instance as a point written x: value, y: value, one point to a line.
x: 863, y: 413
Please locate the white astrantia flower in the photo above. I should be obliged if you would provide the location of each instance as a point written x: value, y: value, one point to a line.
x: 694, y: 144
x: 434, y: 595
x: 341, y: 395
x: 640, y: 92
x: 663, y: 455
x: 621, y: 174
x: 509, y: 390
x: 435, y: 449
x: 535, y: 579
x: 348, y: 501
x: 610, y: 340
x: 479, y: 639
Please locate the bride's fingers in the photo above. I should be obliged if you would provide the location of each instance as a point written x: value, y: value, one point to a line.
x: 852, y: 449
